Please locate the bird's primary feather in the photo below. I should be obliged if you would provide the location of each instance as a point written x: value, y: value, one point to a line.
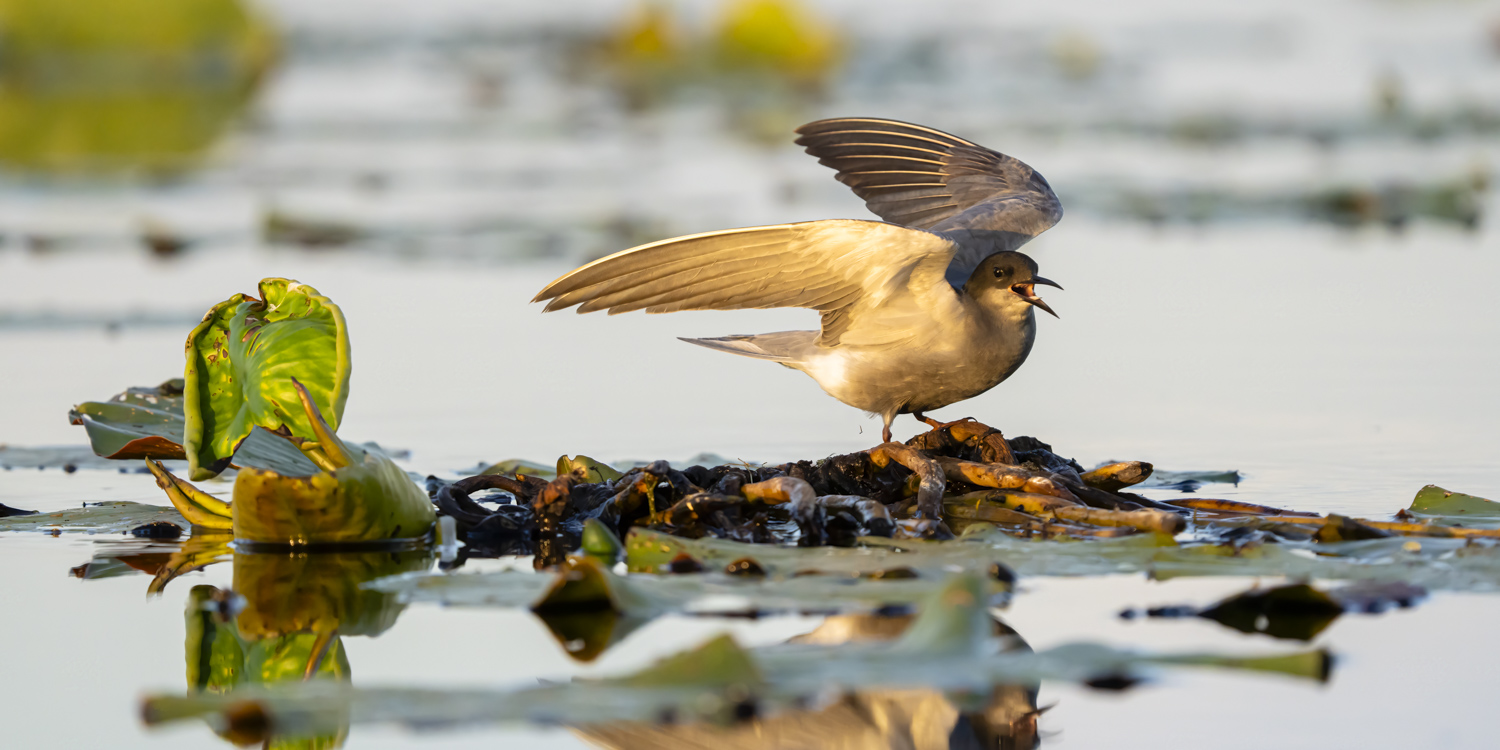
x: 856, y: 268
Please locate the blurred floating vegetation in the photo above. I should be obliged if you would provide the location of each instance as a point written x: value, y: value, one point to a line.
x: 774, y: 53
x: 1455, y: 200
x: 279, y: 227
x: 781, y: 37
x: 1077, y: 55
x: 92, y: 86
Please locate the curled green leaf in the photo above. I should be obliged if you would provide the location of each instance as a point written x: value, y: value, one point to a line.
x: 241, y: 364
x: 359, y: 496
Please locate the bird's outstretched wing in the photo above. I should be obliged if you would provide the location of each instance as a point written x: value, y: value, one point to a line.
x: 830, y: 265
x: 927, y: 179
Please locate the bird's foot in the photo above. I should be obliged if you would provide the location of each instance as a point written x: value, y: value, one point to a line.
x: 936, y: 425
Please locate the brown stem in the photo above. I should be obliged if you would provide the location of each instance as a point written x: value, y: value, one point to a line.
x: 932, y: 485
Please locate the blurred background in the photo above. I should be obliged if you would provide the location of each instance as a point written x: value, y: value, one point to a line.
x: 1278, y: 249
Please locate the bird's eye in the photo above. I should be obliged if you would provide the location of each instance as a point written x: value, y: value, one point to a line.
x: 1000, y: 272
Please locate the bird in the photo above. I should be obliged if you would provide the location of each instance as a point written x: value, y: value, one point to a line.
x: 929, y: 307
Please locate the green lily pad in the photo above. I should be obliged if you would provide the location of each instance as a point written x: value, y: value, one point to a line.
x: 1434, y: 564
x: 594, y: 471
x: 243, y: 361
x: 99, y: 518
x: 520, y: 466
x: 1455, y: 508
x: 149, y: 422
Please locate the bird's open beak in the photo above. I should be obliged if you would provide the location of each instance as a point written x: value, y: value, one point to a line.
x: 1027, y: 292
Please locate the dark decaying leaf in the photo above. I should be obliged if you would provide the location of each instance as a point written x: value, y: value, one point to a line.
x: 1339, y: 528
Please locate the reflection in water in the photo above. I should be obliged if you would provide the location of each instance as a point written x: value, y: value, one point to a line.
x: 282, y: 622
x: 163, y: 561
x: 1006, y: 717
x: 108, y: 85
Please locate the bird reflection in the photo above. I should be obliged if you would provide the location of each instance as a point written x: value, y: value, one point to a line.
x: 1005, y: 717
x: 283, y: 620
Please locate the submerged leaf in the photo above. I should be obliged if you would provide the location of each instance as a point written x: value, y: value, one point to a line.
x: 96, y: 518
x: 242, y: 362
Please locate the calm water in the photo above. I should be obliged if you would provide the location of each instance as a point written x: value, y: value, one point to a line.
x: 1338, y: 369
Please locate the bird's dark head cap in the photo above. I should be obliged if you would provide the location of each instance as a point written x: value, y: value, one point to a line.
x: 1012, y: 272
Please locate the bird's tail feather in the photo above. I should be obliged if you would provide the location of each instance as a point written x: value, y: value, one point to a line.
x: 744, y: 346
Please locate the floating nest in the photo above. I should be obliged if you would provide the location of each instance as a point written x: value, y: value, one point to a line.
x: 934, y: 486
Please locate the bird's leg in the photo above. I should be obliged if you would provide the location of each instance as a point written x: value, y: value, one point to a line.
x: 885, y: 429
x: 936, y: 425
